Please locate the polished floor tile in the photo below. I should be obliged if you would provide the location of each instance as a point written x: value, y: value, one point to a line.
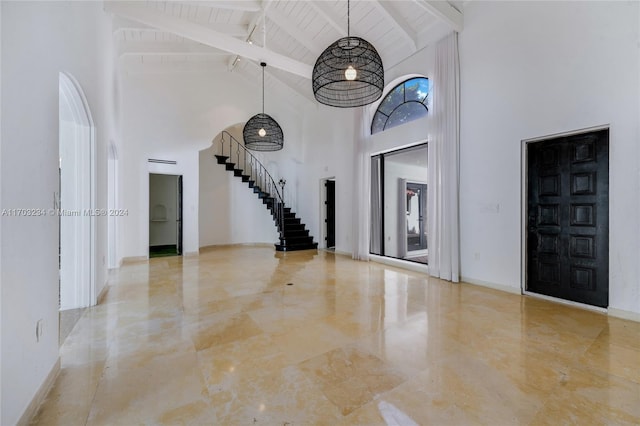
x: 247, y: 336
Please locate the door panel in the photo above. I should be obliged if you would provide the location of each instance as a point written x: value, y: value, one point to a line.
x: 568, y: 218
x: 331, y: 213
x: 179, y: 221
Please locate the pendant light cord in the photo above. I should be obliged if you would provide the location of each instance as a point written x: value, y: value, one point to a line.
x: 262, y: 88
x: 348, y: 20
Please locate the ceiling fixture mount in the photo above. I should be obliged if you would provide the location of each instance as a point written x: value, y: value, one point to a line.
x: 261, y: 132
x: 349, y: 73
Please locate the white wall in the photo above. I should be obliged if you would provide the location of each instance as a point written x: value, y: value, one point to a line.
x: 173, y: 116
x: 328, y: 152
x: 531, y: 69
x: 230, y: 212
x: 163, y: 193
x: 39, y: 40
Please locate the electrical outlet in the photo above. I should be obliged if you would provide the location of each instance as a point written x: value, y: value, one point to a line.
x: 38, y: 330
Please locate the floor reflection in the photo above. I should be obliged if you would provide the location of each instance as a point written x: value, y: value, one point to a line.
x: 223, y: 339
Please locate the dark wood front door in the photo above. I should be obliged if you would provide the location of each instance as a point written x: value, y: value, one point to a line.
x: 568, y: 218
x: 330, y: 203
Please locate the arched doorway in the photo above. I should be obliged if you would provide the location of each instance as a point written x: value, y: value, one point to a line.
x: 76, y: 197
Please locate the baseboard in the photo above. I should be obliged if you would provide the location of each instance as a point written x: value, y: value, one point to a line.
x: 403, y: 264
x: 205, y: 249
x: 41, y: 394
x: 339, y: 252
x: 622, y: 314
x: 134, y: 259
x: 103, y: 293
x: 501, y: 287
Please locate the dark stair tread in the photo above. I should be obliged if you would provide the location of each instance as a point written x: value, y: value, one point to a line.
x: 296, y: 240
x: 229, y: 166
x: 293, y: 227
x: 251, y: 183
x: 296, y: 247
x: 295, y: 233
x: 245, y: 178
x: 222, y: 159
x: 237, y: 172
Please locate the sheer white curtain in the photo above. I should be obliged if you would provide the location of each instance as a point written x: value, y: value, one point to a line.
x: 444, y: 141
x: 361, y: 185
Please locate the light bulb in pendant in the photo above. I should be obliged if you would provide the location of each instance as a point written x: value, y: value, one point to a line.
x: 350, y: 73
x: 262, y: 132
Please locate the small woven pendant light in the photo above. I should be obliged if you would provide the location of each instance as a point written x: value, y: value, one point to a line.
x: 261, y: 132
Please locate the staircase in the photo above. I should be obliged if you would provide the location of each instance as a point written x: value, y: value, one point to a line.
x: 293, y: 233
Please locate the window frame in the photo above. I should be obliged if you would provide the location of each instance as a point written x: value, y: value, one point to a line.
x: 423, y: 103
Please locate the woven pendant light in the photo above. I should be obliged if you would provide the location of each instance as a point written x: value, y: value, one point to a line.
x: 349, y: 73
x: 261, y: 132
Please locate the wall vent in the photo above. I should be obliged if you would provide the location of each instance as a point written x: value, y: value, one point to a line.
x: 155, y: 160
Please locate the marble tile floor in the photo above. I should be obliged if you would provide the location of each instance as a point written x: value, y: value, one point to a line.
x: 67, y: 320
x: 221, y: 339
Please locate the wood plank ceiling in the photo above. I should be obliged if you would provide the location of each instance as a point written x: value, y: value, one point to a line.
x: 235, y: 35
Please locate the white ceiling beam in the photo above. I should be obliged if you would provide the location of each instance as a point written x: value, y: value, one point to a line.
x: 166, y: 49
x: 118, y: 22
x: 228, y: 29
x: 207, y: 36
x: 443, y: 11
x: 245, y: 5
x: 398, y: 22
x: 256, y: 22
x: 121, y: 25
x: 252, y: 33
x: 231, y: 29
x: 287, y: 25
x: 338, y: 23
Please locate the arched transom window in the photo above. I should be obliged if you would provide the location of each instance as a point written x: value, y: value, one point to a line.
x: 407, y: 101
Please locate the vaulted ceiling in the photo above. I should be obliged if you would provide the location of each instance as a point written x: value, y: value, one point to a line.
x: 236, y: 35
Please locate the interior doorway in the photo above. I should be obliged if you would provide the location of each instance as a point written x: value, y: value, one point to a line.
x: 330, y: 213
x: 75, y: 204
x: 76, y: 197
x: 165, y: 215
x: 567, y: 217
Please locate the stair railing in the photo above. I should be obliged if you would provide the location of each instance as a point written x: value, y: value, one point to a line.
x: 257, y: 172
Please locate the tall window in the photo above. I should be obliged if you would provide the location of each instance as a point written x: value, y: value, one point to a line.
x: 407, y: 101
